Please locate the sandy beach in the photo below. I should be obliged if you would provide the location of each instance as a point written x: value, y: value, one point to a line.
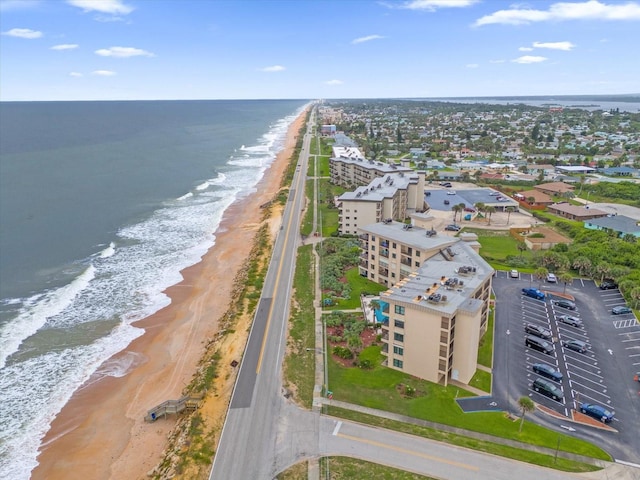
x: 101, y: 433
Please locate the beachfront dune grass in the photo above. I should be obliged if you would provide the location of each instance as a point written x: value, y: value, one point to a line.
x: 383, y: 388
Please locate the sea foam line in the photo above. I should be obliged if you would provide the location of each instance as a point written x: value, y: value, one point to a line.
x: 37, y: 310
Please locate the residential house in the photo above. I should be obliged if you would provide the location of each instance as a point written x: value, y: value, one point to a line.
x: 575, y: 212
x: 554, y: 188
x: 618, y: 224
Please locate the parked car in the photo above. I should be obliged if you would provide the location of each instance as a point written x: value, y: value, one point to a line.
x: 514, y: 273
x: 533, y: 293
x: 564, y: 303
x: 470, y: 209
x: 493, y: 194
x: 620, y: 310
x: 446, y: 184
x: 575, y: 345
x: 608, y: 285
x: 547, y: 371
x: 551, y: 278
x: 597, y: 411
x: 451, y: 192
x: 570, y: 320
x: 547, y: 388
x: 538, y: 344
x: 538, y: 331
x: 452, y: 227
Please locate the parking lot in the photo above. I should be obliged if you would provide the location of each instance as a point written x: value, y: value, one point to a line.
x: 602, y: 375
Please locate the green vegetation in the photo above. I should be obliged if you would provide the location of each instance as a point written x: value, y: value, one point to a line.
x: 622, y: 192
x: 383, y: 388
x: 299, y: 363
x: 299, y: 471
x: 485, y: 350
x: 359, y: 286
x: 307, y: 222
x: 327, y: 210
x: 468, y: 442
x: 481, y: 380
x: 501, y: 250
x: 346, y: 468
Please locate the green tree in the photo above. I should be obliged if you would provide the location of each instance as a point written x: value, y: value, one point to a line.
x: 522, y: 247
x: 509, y: 211
x: 489, y: 210
x: 526, y: 405
x: 566, y: 278
x: 582, y: 264
x: 540, y: 274
x: 457, y: 208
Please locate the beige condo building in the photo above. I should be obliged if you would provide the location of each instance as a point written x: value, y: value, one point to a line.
x: 437, y: 308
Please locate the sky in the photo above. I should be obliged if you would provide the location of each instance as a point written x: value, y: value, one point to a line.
x: 308, y: 49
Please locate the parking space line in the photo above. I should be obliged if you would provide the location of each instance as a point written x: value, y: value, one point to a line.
x: 571, y: 382
x: 568, y: 360
x: 584, y: 370
x: 634, y: 355
x: 631, y: 340
x: 594, y: 400
x: 549, y: 398
x: 572, y: 374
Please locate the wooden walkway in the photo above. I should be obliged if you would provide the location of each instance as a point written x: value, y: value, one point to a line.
x: 189, y: 404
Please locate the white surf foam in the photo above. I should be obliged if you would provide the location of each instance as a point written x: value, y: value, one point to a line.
x: 37, y: 310
x: 109, y: 251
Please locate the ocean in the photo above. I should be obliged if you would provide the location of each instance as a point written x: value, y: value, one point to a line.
x: 102, y: 204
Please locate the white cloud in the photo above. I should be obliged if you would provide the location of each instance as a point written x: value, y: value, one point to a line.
x: 273, y: 68
x: 65, y: 46
x: 123, y: 52
x: 566, y: 46
x: 589, y: 10
x: 23, y: 33
x: 433, y: 5
x: 525, y: 49
x: 334, y: 82
x: 496, y: 61
x: 103, y: 73
x: 113, y: 7
x: 472, y: 65
x: 7, y: 5
x: 529, y: 59
x: 76, y: 74
x: 368, y: 38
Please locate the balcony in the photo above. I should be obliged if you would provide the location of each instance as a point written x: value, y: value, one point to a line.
x: 383, y: 271
x: 406, y: 251
x: 385, y: 337
x: 364, y: 263
x: 405, y: 261
x: 384, y: 253
x: 385, y: 349
x: 384, y: 243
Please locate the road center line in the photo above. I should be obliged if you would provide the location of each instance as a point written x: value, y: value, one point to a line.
x: 411, y: 452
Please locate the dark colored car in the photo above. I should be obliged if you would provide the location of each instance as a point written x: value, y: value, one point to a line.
x: 569, y: 320
x: 446, y: 202
x: 452, y: 228
x: 568, y: 304
x: 620, y: 310
x: 608, y: 285
x: 537, y: 330
x: 539, y: 344
x: 547, y: 388
x: 446, y: 184
x: 533, y: 293
x: 575, y: 345
x: 597, y: 411
x: 547, y: 371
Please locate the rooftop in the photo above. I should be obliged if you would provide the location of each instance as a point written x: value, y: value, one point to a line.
x: 415, y: 237
x: 453, y: 279
x: 576, y: 210
x: 619, y: 223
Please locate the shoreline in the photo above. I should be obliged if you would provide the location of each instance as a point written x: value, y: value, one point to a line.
x: 100, y: 432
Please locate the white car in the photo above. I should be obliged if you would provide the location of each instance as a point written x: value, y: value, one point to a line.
x: 551, y: 278
x: 514, y: 274
x: 451, y: 192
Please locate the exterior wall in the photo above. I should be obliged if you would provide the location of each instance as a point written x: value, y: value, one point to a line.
x: 356, y: 213
x: 465, y: 347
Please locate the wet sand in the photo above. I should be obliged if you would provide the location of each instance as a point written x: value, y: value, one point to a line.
x: 101, y: 433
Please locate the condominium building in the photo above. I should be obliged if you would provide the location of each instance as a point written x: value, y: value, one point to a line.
x: 437, y: 309
x: 393, y: 196
x: 349, y: 168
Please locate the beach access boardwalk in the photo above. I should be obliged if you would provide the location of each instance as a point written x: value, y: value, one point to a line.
x: 189, y: 404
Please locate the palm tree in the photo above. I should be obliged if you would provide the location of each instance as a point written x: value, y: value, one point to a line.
x: 531, y: 200
x: 526, y: 405
x: 582, y: 264
x: 509, y: 211
x: 490, y: 210
x: 566, y: 278
x: 522, y: 247
x: 457, y: 208
x: 540, y: 274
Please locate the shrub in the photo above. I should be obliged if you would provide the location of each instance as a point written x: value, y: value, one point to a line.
x: 342, y: 352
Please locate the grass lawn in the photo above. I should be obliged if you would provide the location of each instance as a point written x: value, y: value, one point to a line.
x: 345, y: 468
x: 460, y: 440
x: 496, y: 246
x: 485, y: 351
x: 307, y: 222
x: 299, y: 363
x: 359, y: 285
x: 379, y: 388
x: 323, y: 166
x: 481, y: 380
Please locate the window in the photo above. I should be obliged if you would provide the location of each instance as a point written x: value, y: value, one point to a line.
x: 373, y: 237
x: 398, y: 323
x: 373, y: 247
x: 393, y: 255
x: 393, y: 245
x: 399, y: 310
x: 397, y: 363
x: 417, y: 253
x: 417, y: 264
x: 398, y: 350
x: 373, y: 257
x: 398, y: 337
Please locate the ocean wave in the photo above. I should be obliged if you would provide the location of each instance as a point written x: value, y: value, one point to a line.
x: 185, y: 196
x: 109, y: 251
x: 37, y: 310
